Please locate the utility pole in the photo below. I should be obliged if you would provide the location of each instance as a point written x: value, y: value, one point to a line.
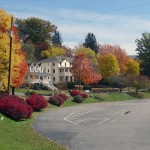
x: 10, y: 54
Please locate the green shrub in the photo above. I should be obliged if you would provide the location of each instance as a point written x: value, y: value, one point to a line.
x: 87, y: 87
x: 136, y: 95
x: 70, y: 85
x: 78, y: 99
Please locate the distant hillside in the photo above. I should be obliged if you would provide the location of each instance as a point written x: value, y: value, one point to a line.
x: 133, y: 56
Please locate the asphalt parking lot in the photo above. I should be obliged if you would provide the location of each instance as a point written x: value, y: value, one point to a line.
x: 99, y: 126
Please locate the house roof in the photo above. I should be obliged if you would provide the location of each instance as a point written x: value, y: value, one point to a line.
x: 56, y: 59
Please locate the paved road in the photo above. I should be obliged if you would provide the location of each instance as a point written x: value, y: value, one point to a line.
x: 102, y: 126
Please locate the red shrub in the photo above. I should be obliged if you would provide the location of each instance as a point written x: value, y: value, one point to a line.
x: 14, y: 107
x: 74, y: 93
x: 56, y: 100
x: 84, y: 95
x: 37, y: 102
x: 65, y: 97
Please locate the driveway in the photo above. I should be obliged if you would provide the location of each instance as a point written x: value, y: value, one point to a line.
x: 99, y: 126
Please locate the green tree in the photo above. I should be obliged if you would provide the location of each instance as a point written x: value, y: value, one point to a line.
x: 35, y: 29
x: 91, y: 42
x: 29, y: 49
x: 143, y: 48
x: 108, y: 65
x: 56, y: 39
x: 140, y: 82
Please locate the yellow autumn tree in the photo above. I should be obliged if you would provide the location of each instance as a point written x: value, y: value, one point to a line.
x: 132, y: 67
x: 108, y: 65
x: 18, y: 57
x: 53, y: 51
x: 4, y: 47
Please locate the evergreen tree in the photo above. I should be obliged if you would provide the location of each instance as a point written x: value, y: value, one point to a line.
x: 143, y: 48
x: 56, y: 39
x: 90, y: 42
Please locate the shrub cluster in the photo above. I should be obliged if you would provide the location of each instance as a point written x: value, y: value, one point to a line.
x: 58, y: 99
x: 76, y: 92
x: 17, y: 108
x: 37, y: 102
x: 65, y: 97
x: 14, y: 107
x: 71, y: 85
x: 78, y: 96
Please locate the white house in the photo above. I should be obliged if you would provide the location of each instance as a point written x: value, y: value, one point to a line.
x: 50, y: 71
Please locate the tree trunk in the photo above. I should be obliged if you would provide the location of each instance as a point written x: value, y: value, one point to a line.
x: 120, y: 90
x: 136, y: 90
x: 13, y: 90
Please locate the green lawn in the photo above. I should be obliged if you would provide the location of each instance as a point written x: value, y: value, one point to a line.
x: 146, y: 94
x: 21, y: 136
x: 70, y: 102
x: 105, y: 96
x: 115, y: 97
x: 23, y: 90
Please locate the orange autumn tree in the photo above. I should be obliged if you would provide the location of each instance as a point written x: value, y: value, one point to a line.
x: 82, y: 69
x: 119, y: 53
x: 18, y: 64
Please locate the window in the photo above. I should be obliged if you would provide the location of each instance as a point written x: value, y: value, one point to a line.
x: 53, y: 64
x: 61, y: 78
x: 65, y: 63
x: 48, y: 70
x: 66, y: 69
x: 41, y: 77
x: 48, y: 77
x: 66, y: 78
x: 53, y: 78
x: 60, y: 63
x: 53, y: 70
